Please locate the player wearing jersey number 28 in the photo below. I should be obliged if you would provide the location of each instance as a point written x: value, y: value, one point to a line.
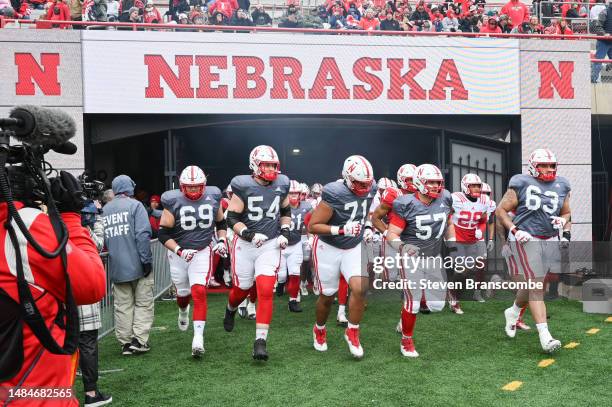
x: 338, y: 223
x: 260, y: 216
x: 187, y: 229
x: 539, y: 229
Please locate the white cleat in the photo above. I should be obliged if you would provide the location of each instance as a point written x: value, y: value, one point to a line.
x: 319, y: 339
x: 551, y: 346
x: 511, y: 319
x: 197, y: 346
x: 456, y: 308
x: 251, y: 310
x: 341, y: 319
x: 351, y: 336
x: 315, y: 289
x: 398, y: 327
x: 407, y: 348
x: 183, y: 319
x: 304, y: 289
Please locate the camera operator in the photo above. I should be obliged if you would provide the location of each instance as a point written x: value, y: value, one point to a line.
x: 25, y: 362
x: 127, y: 235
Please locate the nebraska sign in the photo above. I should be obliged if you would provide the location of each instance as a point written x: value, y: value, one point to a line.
x: 198, y: 73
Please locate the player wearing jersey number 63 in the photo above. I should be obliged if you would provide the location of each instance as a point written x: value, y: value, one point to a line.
x: 187, y: 227
x: 260, y: 216
x: 338, y: 223
x: 540, y: 227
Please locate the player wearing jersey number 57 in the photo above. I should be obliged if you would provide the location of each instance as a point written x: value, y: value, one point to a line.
x: 187, y: 227
x: 338, y: 223
x: 540, y: 228
x: 260, y: 216
x: 418, y: 225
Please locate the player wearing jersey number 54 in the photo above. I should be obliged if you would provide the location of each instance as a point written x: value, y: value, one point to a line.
x: 540, y: 228
x: 187, y: 228
x: 260, y: 216
x: 127, y: 236
x: 338, y: 223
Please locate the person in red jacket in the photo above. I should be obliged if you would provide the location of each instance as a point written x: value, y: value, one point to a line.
x: 518, y: 12
x: 152, y: 15
x: 46, y: 282
x: 226, y: 7
x: 59, y: 11
x: 491, y: 27
x: 369, y: 22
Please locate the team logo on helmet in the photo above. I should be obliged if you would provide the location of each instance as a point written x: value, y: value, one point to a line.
x: 295, y: 190
x: 358, y: 175
x: 405, y: 176
x: 260, y: 159
x: 423, y: 175
x: 469, y: 180
x: 486, y: 189
x: 542, y: 156
x: 192, y: 176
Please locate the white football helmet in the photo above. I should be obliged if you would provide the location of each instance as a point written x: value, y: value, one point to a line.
x: 316, y: 190
x: 542, y: 156
x: 425, y: 173
x: 358, y: 175
x: 393, y: 184
x: 261, y: 155
x: 384, y: 183
x: 405, y: 175
x: 304, y: 191
x: 470, y: 179
x: 295, y: 190
x: 486, y: 189
x: 192, y: 176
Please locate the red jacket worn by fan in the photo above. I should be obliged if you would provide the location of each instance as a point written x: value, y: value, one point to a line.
x: 46, y: 281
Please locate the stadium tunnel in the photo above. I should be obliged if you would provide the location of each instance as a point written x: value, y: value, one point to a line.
x: 154, y: 148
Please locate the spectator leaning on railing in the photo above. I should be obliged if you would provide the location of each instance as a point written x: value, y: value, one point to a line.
x: 603, y: 49
x: 260, y: 17
x: 127, y: 235
x: 450, y: 23
x: 95, y: 10
x: 151, y: 13
x: 59, y: 11
x: 389, y: 23
x: 419, y: 16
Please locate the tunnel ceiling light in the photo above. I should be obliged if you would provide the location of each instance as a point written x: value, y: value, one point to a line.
x: 296, y: 151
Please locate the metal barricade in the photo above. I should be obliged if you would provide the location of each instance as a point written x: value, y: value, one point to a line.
x: 550, y: 12
x: 601, y: 70
x: 161, y: 276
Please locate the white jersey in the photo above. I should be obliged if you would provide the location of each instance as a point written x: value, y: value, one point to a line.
x: 469, y: 216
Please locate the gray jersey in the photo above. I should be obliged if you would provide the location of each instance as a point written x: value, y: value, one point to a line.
x: 194, y: 221
x: 537, y: 202
x: 425, y: 224
x: 262, y: 203
x: 297, y: 221
x: 347, y: 207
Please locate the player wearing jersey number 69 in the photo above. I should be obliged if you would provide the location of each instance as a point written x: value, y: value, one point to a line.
x: 418, y: 225
x: 338, y: 223
x: 540, y: 227
x: 187, y: 227
x: 260, y: 216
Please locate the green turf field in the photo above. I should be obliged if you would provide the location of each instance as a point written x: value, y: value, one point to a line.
x: 464, y: 360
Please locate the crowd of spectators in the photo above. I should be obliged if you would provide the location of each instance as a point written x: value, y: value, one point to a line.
x: 368, y: 15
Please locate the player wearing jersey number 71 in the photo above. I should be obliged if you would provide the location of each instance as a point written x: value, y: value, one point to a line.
x: 540, y: 227
x: 338, y: 223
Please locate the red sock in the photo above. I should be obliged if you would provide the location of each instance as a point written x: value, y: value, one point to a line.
x: 253, y: 291
x: 342, y: 291
x: 265, y: 285
x: 216, y: 260
x: 293, y: 286
x: 522, y: 312
x: 183, y: 302
x: 408, y: 322
x: 200, y: 307
x: 236, y: 296
x: 423, y: 303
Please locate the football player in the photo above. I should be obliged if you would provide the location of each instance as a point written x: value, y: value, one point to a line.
x: 293, y: 254
x: 187, y: 228
x: 418, y: 225
x: 338, y: 224
x: 260, y: 216
x: 489, y: 237
x: 316, y: 190
x: 470, y: 216
x: 539, y: 229
x: 227, y: 276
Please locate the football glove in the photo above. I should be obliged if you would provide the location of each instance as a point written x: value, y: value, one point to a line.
x: 187, y: 254
x: 282, y: 241
x: 368, y: 235
x: 490, y: 245
x: 310, y: 242
x: 351, y: 229
x: 558, y: 222
x: 259, y: 239
x: 377, y: 237
x: 506, y: 251
x: 220, y: 248
x: 522, y: 237
x: 478, y: 234
x: 410, y: 249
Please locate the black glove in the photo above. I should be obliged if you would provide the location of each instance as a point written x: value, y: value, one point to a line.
x: 146, y: 269
x: 67, y: 193
x: 247, y: 235
x: 285, y: 231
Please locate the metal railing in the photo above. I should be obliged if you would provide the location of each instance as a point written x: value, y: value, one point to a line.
x: 605, y: 70
x: 551, y: 11
x: 161, y: 276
